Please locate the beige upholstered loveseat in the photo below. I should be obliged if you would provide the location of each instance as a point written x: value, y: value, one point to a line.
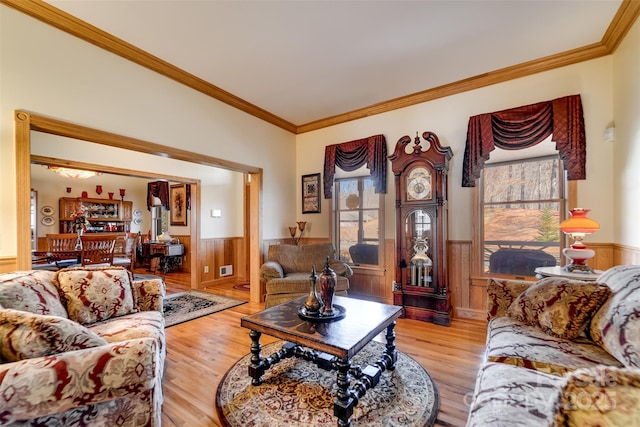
x: 81, y: 347
x: 288, y: 267
x: 561, y: 353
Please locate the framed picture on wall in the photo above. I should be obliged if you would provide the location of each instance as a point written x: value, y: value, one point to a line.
x: 311, y: 193
x: 178, y: 203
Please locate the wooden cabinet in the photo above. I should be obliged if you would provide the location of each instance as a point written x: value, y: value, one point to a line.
x: 105, y: 215
x: 421, y: 285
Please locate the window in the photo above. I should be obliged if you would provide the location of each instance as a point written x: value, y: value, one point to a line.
x: 160, y: 221
x: 521, y: 204
x: 358, y: 218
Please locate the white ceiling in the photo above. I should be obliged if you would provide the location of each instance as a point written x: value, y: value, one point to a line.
x: 309, y: 60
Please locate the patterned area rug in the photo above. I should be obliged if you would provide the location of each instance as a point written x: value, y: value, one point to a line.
x: 297, y: 393
x: 188, y: 305
x: 242, y: 287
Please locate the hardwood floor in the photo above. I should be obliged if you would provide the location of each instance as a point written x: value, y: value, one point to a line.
x: 199, y: 352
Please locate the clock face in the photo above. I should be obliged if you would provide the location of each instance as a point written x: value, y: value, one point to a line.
x: 419, y: 184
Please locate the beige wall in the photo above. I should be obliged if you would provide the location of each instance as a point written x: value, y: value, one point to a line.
x: 54, y: 74
x: 448, y: 118
x: 626, y: 108
x: 51, y: 73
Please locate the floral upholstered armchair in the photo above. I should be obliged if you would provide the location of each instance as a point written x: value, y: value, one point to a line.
x: 81, y: 347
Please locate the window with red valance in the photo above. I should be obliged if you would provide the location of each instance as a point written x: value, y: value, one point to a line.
x: 160, y: 189
x: 349, y: 156
x: 524, y: 127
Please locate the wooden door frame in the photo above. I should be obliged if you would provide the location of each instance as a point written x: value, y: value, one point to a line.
x: 26, y: 122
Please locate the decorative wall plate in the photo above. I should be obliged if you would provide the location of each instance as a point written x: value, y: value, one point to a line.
x: 47, y: 210
x: 47, y: 220
x: 137, y: 221
x: 136, y: 212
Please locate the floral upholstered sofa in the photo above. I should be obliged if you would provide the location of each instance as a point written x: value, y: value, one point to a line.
x: 81, y: 347
x: 288, y: 268
x: 561, y: 352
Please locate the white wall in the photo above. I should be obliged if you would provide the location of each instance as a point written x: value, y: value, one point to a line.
x: 51, y: 73
x: 448, y: 118
x: 626, y: 146
x: 225, y: 195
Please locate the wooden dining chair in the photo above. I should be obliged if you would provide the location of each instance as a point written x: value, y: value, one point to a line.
x: 125, y: 251
x: 61, y: 249
x: 97, y: 249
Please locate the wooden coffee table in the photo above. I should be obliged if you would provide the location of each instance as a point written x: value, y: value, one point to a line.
x: 330, y: 345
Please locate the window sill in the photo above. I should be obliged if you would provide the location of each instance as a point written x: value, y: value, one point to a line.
x: 369, y: 270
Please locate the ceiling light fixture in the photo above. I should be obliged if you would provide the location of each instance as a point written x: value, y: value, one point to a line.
x: 72, y: 173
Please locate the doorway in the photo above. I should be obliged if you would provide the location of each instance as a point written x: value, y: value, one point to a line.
x: 28, y: 122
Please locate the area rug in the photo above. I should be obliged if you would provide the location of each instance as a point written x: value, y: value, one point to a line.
x: 297, y: 393
x: 242, y: 287
x: 188, y: 305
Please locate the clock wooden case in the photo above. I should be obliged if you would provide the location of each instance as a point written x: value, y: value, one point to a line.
x: 420, y: 171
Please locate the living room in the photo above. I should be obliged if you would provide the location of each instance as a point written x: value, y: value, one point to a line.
x: 49, y: 72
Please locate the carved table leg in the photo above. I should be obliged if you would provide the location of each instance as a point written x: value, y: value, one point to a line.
x: 256, y: 368
x: 390, y: 350
x: 344, y: 403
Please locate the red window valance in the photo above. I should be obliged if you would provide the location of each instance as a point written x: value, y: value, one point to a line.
x: 159, y: 189
x: 349, y: 156
x: 524, y: 127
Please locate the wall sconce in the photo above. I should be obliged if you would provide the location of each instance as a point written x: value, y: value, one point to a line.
x: 293, y: 231
x: 577, y: 227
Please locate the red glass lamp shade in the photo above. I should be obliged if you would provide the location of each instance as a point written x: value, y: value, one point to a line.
x: 577, y: 226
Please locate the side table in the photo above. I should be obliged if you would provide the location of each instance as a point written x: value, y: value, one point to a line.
x: 557, y: 271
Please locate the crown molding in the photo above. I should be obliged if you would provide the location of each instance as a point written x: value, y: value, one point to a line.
x: 621, y: 23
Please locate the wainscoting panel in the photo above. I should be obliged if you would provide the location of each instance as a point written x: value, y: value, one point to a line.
x: 216, y: 253
x: 626, y: 255
x: 8, y: 264
x: 468, y: 292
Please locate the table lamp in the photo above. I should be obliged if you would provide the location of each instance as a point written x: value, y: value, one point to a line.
x: 577, y: 226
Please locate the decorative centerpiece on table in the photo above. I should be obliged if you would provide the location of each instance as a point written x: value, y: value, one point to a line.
x: 79, y: 224
x: 320, y: 307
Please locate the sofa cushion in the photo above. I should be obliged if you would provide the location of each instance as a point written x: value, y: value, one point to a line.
x: 301, y: 258
x: 560, y: 307
x: 96, y: 294
x: 31, y: 291
x: 25, y: 335
x: 300, y: 283
x: 507, y: 395
x: 518, y: 344
x: 271, y: 270
x: 144, y: 324
x: 616, y: 325
x: 501, y: 293
x: 600, y: 396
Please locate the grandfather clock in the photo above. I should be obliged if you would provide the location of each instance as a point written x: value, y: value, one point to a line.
x: 420, y: 171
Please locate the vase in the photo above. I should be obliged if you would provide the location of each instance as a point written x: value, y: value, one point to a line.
x: 313, y: 303
x: 78, y: 245
x: 328, y: 281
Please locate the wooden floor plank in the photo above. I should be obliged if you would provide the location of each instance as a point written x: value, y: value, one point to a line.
x: 200, y: 352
